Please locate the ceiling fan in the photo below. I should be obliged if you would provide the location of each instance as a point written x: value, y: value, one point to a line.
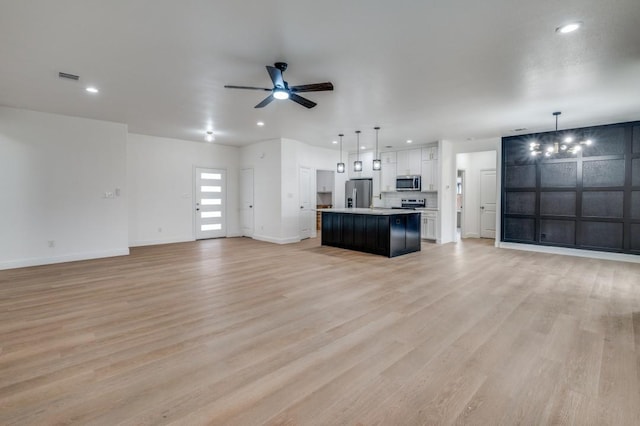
x: 281, y: 89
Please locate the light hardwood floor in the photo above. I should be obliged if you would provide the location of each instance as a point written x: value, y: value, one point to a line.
x: 240, y: 332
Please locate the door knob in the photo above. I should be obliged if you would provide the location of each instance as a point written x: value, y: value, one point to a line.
x: 250, y: 207
x: 481, y: 207
x: 302, y: 207
x: 197, y: 210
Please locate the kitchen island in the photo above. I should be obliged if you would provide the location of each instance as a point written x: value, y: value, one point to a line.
x: 388, y: 232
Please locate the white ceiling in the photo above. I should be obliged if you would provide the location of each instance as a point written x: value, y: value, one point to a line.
x: 424, y: 70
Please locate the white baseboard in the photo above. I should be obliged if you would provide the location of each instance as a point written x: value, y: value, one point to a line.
x: 471, y: 235
x: 604, y: 255
x: 37, y: 261
x: 158, y: 242
x: 276, y: 240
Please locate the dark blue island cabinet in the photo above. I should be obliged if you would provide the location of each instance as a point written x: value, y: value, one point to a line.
x: 386, y: 232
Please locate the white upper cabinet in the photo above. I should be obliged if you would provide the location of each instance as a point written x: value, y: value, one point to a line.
x: 388, y: 157
x: 325, y: 181
x: 388, y: 177
x: 430, y: 175
x: 430, y: 153
x: 408, y: 162
x: 367, y: 165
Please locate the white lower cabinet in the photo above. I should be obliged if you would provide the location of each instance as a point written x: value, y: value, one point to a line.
x: 428, y: 230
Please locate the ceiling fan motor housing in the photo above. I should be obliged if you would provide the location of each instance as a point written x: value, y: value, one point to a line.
x: 282, y: 66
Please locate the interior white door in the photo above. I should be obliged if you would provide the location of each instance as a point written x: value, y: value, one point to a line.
x: 246, y: 202
x: 210, y: 207
x: 307, y: 215
x: 488, y: 204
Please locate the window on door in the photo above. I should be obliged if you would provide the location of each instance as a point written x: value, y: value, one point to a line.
x: 210, y: 208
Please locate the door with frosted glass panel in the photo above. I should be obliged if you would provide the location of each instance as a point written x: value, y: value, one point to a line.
x: 210, y: 203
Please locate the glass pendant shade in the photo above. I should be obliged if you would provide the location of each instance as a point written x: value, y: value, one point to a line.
x: 357, y: 165
x: 341, y: 167
x: 377, y: 163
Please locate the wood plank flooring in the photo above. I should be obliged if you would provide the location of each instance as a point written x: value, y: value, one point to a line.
x: 241, y: 332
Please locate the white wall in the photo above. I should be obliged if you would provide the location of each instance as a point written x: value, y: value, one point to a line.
x: 447, y: 192
x: 54, y: 173
x: 276, y: 164
x: 472, y: 164
x: 161, y: 187
x: 296, y: 154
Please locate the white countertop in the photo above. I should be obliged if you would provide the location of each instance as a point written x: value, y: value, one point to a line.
x: 375, y: 211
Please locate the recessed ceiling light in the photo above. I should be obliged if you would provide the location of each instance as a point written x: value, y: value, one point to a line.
x: 409, y: 141
x: 334, y: 142
x: 260, y: 123
x: 388, y: 146
x: 92, y: 89
x: 520, y: 129
x: 363, y: 147
x: 209, y: 136
x: 569, y: 28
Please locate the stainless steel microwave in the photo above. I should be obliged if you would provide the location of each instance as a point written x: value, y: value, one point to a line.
x: 408, y: 183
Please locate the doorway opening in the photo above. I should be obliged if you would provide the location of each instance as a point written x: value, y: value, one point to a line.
x: 476, y: 195
x: 460, y: 192
x: 325, y: 193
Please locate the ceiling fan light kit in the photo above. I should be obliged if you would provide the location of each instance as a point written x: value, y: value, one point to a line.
x: 567, y: 145
x: 281, y: 89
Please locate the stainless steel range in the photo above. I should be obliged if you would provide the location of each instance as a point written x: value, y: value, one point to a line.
x: 413, y: 203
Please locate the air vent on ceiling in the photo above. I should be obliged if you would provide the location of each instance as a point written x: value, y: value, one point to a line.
x: 68, y: 76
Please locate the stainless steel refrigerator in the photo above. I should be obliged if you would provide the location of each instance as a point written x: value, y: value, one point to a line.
x: 358, y: 193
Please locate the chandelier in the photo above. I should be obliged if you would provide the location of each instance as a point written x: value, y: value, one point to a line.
x: 568, y: 144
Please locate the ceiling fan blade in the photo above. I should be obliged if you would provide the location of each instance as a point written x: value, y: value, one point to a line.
x: 266, y: 101
x: 318, y: 87
x: 302, y: 101
x: 247, y: 87
x: 276, y: 76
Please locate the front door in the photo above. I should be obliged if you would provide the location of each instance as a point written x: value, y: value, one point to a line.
x: 488, y: 204
x: 306, y: 212
x: 246, y: 201
x: 210, y: 200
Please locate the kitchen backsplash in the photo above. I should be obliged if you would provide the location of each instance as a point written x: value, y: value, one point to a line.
x: 393, y: 199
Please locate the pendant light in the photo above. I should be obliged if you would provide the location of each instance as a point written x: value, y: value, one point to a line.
x: 567, y: 145
x: 377, y: 163
x: 341, y: 167
x: 357, y: 165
